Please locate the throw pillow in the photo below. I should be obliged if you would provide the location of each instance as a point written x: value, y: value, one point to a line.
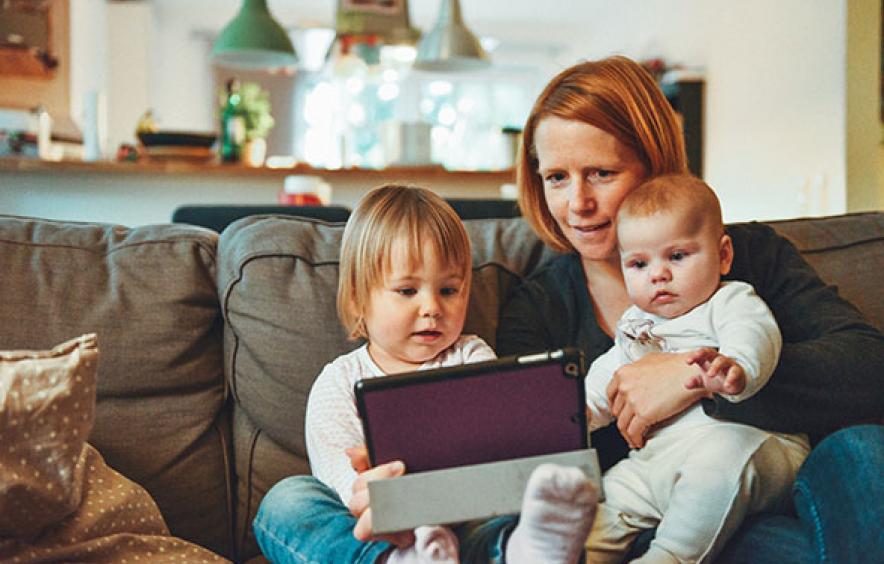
x: 47, y: 406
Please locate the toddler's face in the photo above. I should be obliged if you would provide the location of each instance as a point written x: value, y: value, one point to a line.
x: 417, y: 312
x: 669, y: 270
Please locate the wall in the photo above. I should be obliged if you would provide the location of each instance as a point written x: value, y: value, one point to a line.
x: 864, y: 153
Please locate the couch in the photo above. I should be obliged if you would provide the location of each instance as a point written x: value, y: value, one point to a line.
x: 209, y: 344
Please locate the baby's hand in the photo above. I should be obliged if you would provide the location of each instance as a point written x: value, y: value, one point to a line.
x: 721, y: 374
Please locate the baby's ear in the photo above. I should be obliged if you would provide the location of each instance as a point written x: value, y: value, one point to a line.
x: 725, y: 254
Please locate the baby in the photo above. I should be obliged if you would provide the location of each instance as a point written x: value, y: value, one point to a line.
x: 696, y: 478
x: 405, y: 273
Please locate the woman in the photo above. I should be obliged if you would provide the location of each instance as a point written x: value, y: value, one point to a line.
x: 596, y: 132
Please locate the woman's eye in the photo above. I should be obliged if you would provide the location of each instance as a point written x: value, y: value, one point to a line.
x: 554, y: 178
x: 601, y: 174
x: 406, y: 291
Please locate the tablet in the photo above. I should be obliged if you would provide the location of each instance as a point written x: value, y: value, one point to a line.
x: 512, y: 407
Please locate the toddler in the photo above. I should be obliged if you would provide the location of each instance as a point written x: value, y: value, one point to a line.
x: 696, y: 477
x: 405, y: 271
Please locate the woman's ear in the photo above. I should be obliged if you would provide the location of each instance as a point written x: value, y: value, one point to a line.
x: 725, y: 254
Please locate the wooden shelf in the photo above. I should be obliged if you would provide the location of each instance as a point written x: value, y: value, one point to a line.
x: 184, y: 168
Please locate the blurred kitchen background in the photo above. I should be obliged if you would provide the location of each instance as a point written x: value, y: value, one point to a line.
x: 791, y: 118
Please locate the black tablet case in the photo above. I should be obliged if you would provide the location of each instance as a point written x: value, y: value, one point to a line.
x: 513, y: 407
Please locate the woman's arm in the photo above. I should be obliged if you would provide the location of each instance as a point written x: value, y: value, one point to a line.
x: 831, y: 369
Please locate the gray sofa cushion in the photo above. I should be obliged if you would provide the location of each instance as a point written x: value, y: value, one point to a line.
x: 149, y: 294
x: 277, y: 283
x: 846, y: 250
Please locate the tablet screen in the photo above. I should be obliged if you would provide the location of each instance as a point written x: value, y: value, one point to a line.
x: 508, y: 408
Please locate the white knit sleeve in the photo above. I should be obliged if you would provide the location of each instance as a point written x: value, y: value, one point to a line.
x: 332, y: 426
x: 746, y: 331
x: 600, y: 373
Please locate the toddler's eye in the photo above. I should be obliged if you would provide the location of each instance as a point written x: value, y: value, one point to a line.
x: 406, y: 291
x: 449, y: 291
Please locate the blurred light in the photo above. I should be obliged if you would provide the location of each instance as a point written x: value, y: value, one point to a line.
x: 447, y: 115
x: 356, y: 114
x: 388, y: 91
x: 440, y: 88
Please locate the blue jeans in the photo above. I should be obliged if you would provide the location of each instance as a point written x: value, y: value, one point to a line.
x: 838, y: 495
x: 839, y: 499
x: 301, y: 520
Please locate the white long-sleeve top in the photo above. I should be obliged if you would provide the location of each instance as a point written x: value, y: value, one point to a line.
x: 333, y: 424
x: 734, y: 320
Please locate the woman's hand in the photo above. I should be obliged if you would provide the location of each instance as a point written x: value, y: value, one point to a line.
x: 650, y: 390
x: 359, y: 502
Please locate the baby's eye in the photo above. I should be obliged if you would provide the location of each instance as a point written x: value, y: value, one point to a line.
x: 406, y: 291
x: 637, y: 264
x: 677, y: 256
x: 449, y: 291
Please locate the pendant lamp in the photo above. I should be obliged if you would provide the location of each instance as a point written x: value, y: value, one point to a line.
x: 254, y: 40
x: 450, y: 46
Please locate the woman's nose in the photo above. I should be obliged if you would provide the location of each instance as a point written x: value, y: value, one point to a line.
x: 581, y: 198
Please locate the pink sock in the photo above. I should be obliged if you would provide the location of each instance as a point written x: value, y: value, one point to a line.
x: 436, y: 545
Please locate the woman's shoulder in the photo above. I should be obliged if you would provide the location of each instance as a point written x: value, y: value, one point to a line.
x: 560, y: 273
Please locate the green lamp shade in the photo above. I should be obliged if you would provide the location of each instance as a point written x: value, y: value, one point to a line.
x: 254, y: 40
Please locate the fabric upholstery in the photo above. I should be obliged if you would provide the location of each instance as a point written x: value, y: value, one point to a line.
x: 846, y: 250
x: 149, y: 294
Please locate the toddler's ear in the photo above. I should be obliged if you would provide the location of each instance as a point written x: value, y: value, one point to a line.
x: 725, y: 254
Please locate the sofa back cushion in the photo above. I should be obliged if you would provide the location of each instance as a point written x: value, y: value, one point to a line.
x: 149, y: 295
x: 277, y: 283
x: 847, y: 251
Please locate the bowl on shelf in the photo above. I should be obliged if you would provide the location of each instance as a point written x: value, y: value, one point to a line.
x: 177, y: 139
x: 186, y: 145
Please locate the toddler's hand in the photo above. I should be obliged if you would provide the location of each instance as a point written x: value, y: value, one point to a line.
x: 721, y: 374
x: 359, y: 505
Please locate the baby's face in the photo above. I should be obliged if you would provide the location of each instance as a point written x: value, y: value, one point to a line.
x: 668, y: 269
x: 418, y: 311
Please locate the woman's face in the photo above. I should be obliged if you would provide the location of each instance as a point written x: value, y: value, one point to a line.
x: 586, y: 173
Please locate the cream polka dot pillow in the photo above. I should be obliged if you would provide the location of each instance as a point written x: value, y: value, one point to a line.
x: 47, y: 406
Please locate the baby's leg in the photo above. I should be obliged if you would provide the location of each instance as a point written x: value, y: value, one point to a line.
x: 629, y: 508
x: 431, y: 545
x: 730, y: 471
x: 558, y: 509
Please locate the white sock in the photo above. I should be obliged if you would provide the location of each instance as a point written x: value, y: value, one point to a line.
x: 558, y: 509
x: 436, y: 545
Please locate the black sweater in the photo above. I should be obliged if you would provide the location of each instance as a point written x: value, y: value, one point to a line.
x: 831, y: 369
